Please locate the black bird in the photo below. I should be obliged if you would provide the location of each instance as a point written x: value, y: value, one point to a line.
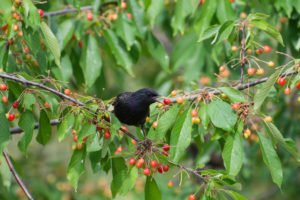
x: 132, y: 108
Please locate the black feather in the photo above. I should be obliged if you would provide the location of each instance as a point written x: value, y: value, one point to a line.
x: 132, y: 108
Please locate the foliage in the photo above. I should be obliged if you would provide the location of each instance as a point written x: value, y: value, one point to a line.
x: 66, y: 67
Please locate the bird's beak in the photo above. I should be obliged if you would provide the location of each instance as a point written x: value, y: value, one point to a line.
x: 156, y: 99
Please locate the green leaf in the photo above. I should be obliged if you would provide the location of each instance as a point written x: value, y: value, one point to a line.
x: 5, y: 172
x: 65, y: 126
x: 181, y: 135
x: 91, y: 62
x: 76, y: 166
x: 28, y: 101
x: 26, y: 123
x: 203, y: 113
x: 31, y: 15
x: 225, y: 119
x: 65, y: 32
x: 206, y: 15
x: 151, y: 190
x: 235, y: 195
x: 129, y: 182
x: 157, y: 51
x: 119, y: 173
x: 3, y: 54
x: 138, y: 17
x: 5, y: 134
x: 233, y: 94
x: 165, y: 122
x: 266, y: 27
x: 122, y: 57
x: 263, y: 92
x: 125, y: 30
x: 154, y: 9
x: 183, y: 9
x: 225, y: 11
x: 44, y: 134
x: 94, y: 144
x: 233, y: 152
x: 257, y: 16
x: 278, y: 138
x: 224, y: 32
x: 209, y: 32
x: 271, y: 159
x: 51, y: 42
x: 66, y: 68
x: 86, y: 130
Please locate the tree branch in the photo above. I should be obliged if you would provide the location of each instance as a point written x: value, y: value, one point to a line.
x: 39, y: 85
x: 239, y: 87
x: 69, y: 10
x: 15, y: 174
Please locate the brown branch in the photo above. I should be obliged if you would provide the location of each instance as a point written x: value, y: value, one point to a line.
x: 39, y: 85
x: 66, y: 11
x: 70, y: 10
x: 15, y: 174
x: 243, y: 52
x: 194, y: 96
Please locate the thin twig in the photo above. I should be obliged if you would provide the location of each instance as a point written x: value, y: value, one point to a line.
x: 39, y: 85
x: 66, y: 11
x: 69, y: 10
x: 15, y: 174
x: 243, y: 52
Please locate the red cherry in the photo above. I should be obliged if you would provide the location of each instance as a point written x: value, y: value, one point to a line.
x: 107, y: 134
x: 287, y: 90
x: 15, y: 104
x: 251, y: 71
x: 154, y: 125
x: 141, y: 160
x: 166, y: 168
x: 3, y: 87
x: 167, y: 101
x: 5, y: 99
x: 259, y: 51
x: 267, y: 49
x: 67, y: 92
x: 192, y: 197
x: 139, y: 165
x: 165, y: 153
x: 194, y: 113
x: 41, y: 12
x: 132, y: 161
x: 85, y: 138
x: 147, y: 172
x: 235, y: 106
x: 166, y: 147
x: 89, y: 16
x: 170, y: 184
x: 160, y: 169
x: 297, y: 85
x: 47, y: 105
x: 75, y: 138
x: 11, y: 117
x: 281, y: 81
x: 153, y: 163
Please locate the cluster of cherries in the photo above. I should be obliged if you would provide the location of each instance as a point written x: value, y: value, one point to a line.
x: 151, y: 166
x: 180, y: 100
x: 15, y: 105
x: 282, y: 81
